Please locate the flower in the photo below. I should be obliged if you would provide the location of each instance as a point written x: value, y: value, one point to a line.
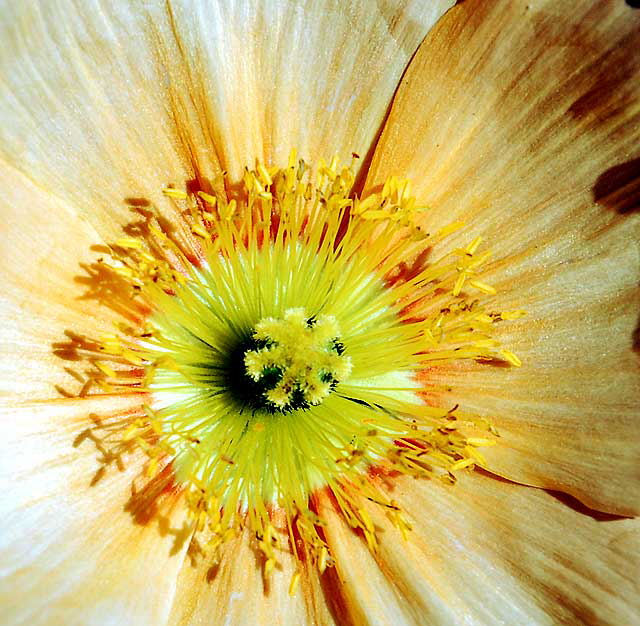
x: 516, y: 118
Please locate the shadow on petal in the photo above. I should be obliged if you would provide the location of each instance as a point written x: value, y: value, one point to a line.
x: 579, y: 507
x: 618, y: 188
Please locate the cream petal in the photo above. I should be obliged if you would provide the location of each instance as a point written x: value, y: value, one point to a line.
x: 83, y: 111
x: 69, y: 552
x: 43, y: 245
x: 104, y: 103
x: 235, y: 591
x: 318, y: 77
x: 530, y: 136
x: 374, y: 591
x: 494, y: 552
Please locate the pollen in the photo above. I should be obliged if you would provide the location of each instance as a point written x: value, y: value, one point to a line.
x: 282, y: 357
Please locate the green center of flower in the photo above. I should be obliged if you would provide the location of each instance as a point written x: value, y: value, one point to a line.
x: 293, y: 362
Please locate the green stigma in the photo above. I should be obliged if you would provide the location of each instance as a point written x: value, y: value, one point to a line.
x: 294, y: 362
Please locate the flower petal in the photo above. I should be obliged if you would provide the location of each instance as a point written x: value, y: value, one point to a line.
x: 488, y: 551
x: 43, y: 244
x: 236, y: 592
x: 69, y: 550
x: 83, y: 112
x: 107, y: 103
x: 374, y: 593
x: 530, y: 136
x: 317, y: 77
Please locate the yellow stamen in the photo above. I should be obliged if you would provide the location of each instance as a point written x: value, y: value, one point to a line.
x: 175, y: 193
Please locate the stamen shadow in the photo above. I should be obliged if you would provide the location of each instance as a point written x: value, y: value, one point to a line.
x: 105, y: 286
x: 150, y: 497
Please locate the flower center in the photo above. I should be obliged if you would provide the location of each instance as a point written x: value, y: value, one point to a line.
x: 278, y: 355
x: 294, y: 362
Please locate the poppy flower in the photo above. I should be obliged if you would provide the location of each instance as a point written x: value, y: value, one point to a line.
x: 242, y: 384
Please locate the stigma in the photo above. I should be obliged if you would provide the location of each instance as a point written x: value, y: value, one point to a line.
x: 297, y: 360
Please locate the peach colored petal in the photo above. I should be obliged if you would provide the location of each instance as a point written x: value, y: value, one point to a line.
x: 42, y: 246
x: 69, y: 551
x: 83, y: 112
x: 521, y: 119
x: 488, y: 552
x: 235, y: 591
x: 49, y: 293
x: 317, y: 77
x: 374, y: 592
x: 101, y: 103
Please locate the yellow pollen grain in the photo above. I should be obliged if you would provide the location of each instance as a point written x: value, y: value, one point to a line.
x: 488, y: 289
x: 511, y: 357
x: 461, y: 464
x: 295, y: 581
x: 175, y: 193
x: 106, y: 369
x: 512, y: 315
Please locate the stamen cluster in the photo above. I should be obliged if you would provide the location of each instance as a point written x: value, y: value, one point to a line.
x: 280, y: 361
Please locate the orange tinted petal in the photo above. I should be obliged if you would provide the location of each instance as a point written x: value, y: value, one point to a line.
x: 521, y: 119
x: 109, y: 103
x: 487, y: 551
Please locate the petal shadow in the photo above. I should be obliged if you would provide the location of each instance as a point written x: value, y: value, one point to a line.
x: 618, y: 188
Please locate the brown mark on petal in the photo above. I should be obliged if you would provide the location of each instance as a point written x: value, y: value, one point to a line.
x: 618, y: 188
x: 138, y: 202
x: 598, y: 70
x: 575, y: 504
x: 635, y: 338
x: 612, y: 77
